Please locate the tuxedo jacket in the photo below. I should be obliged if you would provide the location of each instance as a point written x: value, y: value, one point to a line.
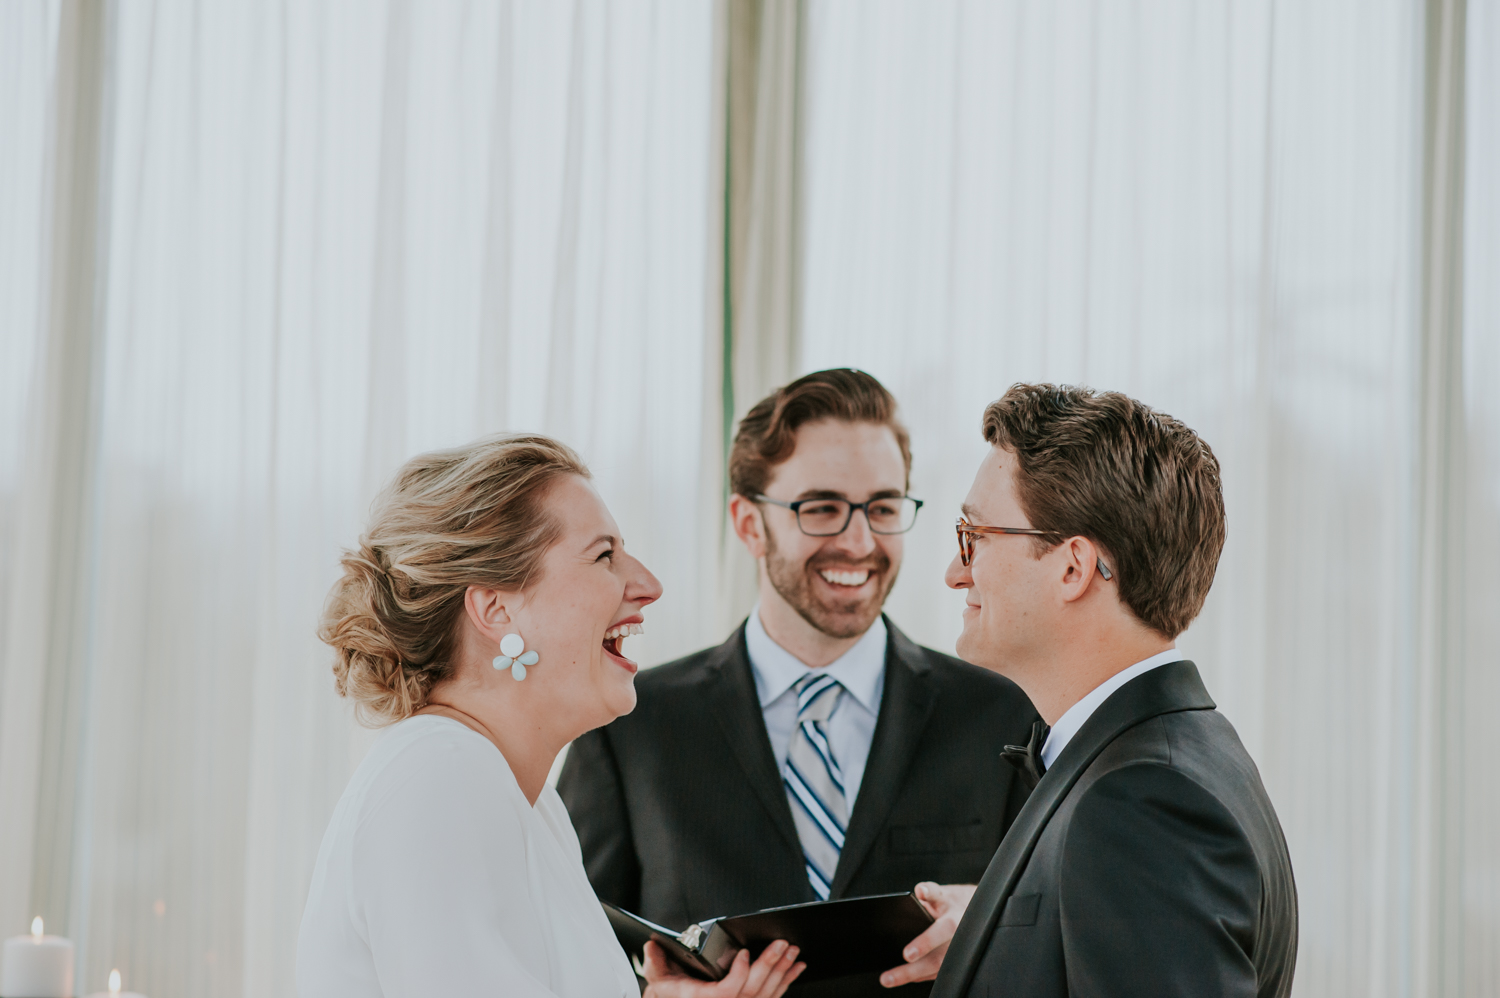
x: 682, y: 814
x: 1148, y: 861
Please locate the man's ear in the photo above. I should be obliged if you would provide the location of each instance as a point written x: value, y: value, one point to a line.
x: 749, y: 525
x: 1080, y: 568
x: 491, y: 611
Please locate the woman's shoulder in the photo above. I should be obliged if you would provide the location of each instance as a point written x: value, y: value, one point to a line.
x: 427, y: 738
x: 432, y: 734
x: 430, y: 761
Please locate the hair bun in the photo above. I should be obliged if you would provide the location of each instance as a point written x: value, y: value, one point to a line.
x: 369, y: 665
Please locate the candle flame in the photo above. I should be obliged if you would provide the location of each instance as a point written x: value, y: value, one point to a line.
x: 36, y: 926
x: 114, y: 982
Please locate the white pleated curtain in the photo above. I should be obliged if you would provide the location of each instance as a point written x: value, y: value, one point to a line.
x: 329, y: 236
x: 326, y: 236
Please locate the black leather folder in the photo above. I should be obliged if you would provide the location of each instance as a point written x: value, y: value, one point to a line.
x: 845, y: 943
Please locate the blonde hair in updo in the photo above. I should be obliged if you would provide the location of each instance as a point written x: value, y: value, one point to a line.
x: 472, y: 516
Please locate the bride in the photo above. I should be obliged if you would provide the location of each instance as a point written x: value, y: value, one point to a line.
x: 481, y: 622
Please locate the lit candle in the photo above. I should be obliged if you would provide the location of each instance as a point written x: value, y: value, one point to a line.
x: 114, y: 989
x: 37, y: 966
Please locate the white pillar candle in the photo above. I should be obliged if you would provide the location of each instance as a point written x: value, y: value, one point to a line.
x: 114, y: 989
x: 37, y: 966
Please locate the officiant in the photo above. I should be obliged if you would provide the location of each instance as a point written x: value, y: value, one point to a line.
x: 818, y: 753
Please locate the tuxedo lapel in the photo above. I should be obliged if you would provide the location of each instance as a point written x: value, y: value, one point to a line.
x: 905, y: 706
x: 729, y: 689
x: 1163, y: 690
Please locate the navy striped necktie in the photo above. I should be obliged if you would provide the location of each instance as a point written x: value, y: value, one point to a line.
x: 814, y: 782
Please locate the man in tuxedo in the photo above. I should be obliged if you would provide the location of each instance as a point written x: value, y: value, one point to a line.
x: 1148, y: 859
x: 818, y: 753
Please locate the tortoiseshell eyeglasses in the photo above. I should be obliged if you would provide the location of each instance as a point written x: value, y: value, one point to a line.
x: 967, y: 530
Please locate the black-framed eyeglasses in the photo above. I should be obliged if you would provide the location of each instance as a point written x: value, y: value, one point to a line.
x: 967, y: 530
x: 831, y: 517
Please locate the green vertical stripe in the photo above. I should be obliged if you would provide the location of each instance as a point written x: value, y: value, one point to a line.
x: 726, y: 386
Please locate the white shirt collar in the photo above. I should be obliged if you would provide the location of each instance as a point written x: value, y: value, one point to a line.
x: 859, y: 669
x: 1067, y: 726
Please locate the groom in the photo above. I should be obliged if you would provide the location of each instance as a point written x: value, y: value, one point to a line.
x: 818, y: 753
x: 1148, y: 860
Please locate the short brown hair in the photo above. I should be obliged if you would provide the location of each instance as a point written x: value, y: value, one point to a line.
x: 1140, y: 484
x: 768, y: 433
x: 474, y: 515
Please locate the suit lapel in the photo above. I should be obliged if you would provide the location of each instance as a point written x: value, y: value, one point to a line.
x: 905, y: 706
x: 729, y: 689
x: 1163, y: 690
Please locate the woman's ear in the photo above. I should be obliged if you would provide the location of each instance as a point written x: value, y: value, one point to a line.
x: 490, y: 611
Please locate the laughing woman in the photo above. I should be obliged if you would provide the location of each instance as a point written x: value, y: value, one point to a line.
x: 481, y: 622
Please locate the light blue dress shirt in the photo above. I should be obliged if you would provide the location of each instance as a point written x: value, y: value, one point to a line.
x: 851, y: 726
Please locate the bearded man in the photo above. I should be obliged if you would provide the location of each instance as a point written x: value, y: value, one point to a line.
x: 818, y: 753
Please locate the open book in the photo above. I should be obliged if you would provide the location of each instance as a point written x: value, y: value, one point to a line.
x: 846, y: 941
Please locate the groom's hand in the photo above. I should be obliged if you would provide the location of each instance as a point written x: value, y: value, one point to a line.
x: 924, y: 954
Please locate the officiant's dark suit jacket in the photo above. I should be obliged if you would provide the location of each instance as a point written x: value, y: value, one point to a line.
x: 682, y: 814
x: 1148, y: 861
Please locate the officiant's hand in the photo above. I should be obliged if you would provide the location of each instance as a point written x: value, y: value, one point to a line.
x: 946, y: 903
x: 768, y: 977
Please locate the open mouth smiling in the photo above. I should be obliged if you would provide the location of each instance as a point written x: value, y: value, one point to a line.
x: 614, y: 640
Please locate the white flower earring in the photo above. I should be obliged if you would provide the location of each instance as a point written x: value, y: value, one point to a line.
x: 511, y: 657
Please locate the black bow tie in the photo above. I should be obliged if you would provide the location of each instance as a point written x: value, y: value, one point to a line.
x: 1028, y: 758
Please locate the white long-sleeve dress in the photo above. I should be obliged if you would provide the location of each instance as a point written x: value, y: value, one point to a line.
x: 437, y: 877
